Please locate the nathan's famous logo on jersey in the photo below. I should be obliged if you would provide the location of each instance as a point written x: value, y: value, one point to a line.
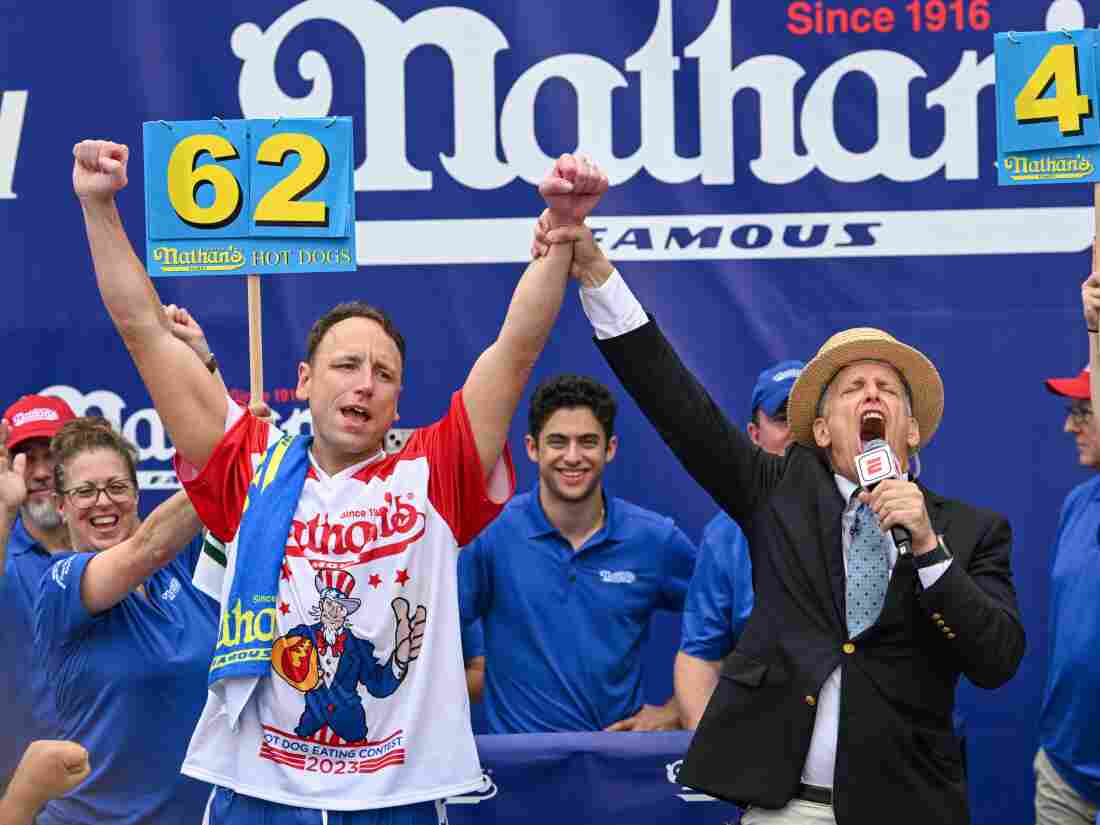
x: 143, y: 427
x: 794, y: 112
x: 358, y: 535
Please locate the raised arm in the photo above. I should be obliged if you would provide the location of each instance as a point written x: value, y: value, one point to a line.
x: 714, y: 451
x: 13, y: 492
x: 114, y: 573
x: 1090, y: 299
x: 191, y: 404
x: 493, y: 389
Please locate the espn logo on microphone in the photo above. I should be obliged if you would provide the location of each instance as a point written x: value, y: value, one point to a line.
x: 875, y: 465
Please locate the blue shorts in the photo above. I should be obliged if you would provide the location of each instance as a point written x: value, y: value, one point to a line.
x: 227, y: 807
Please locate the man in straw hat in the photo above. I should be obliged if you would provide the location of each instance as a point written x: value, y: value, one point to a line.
x: 836, y: 704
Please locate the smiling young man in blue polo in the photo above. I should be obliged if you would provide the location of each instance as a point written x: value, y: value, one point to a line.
x: 567, y: 578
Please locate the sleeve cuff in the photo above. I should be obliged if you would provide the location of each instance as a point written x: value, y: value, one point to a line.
x: 612, y: 308
x: 931, y: 574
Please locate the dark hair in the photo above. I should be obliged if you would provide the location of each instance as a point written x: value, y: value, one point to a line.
x: 351, y: 309
x: 568, y: 392
x: 81, y: 435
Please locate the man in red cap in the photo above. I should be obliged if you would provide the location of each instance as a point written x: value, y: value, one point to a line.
x: 1067, y: 766
x: 29, y: 536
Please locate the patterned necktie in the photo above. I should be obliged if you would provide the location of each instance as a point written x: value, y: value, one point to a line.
x: 868, y: 571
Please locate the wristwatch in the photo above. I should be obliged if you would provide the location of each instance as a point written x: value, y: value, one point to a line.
x: 934, y: 556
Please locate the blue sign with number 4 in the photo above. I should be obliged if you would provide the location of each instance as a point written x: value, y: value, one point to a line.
x: 1048, y: 130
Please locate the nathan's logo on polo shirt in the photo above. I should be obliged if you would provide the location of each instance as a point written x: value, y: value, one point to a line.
x: 173, y: 590
x: 618, y: 577
x: 60, y: 572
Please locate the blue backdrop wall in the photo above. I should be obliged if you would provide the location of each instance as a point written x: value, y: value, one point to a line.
x: 773, y: 182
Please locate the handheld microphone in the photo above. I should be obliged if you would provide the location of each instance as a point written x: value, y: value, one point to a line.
x: 877, y: 463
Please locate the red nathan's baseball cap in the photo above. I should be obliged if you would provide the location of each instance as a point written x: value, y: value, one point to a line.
x: 35, y: 416
x: 1076, y: 387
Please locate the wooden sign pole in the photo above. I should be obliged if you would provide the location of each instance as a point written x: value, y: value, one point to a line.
x: 255, y: 342
x: 1096, y: 228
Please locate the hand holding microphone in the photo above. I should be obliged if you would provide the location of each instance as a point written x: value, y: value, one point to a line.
x: 898, y: 504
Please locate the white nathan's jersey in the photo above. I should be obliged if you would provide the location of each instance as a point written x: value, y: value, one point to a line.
x: 339, y: 724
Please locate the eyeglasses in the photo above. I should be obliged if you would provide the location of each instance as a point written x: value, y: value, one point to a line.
x: 86, y: 496
x: 1080, y: 414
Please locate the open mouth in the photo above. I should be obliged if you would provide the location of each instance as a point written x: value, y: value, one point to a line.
x: 872, y: 425
x: 572, y: 476
x: 355, y: 413
x: 104, y: 522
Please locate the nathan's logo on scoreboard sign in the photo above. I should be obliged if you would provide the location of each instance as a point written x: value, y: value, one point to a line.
x: 1048, y: 168
x: 796, y: 116
x: 143, y: 428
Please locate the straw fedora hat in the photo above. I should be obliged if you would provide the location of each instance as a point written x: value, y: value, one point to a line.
x: 866, y: 344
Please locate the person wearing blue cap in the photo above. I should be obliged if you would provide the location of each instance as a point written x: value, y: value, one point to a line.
x: 720, y: 597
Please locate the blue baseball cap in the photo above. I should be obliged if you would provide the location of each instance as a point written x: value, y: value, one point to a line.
x: 774, y: 385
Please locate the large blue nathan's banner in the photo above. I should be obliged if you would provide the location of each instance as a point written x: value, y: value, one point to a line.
x: 779, y: 171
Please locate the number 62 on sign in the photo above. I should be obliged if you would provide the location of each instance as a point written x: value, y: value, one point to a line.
x: 229, y: 197
x: 1047, y: 92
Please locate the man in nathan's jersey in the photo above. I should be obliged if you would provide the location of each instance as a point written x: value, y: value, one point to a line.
x: 366, y: 708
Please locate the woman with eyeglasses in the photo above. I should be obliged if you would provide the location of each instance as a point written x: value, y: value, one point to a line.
x: 124, y: 636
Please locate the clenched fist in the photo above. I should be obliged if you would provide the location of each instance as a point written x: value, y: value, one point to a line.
x: 572, y: 188
x: 49, y: 769
x: 99, y: 169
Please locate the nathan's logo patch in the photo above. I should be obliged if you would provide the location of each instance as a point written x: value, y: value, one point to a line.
x: 295, y: 659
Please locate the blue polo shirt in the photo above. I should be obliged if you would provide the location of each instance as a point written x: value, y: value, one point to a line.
x: 564, y: 630
x: 1069, y: 724
x: 128, y: 684
x: 22, y: 676
x: 720, y: 599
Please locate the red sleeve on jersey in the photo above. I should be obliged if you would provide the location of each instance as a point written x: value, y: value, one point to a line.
x: 457, y: 487
x: 218, y: 490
